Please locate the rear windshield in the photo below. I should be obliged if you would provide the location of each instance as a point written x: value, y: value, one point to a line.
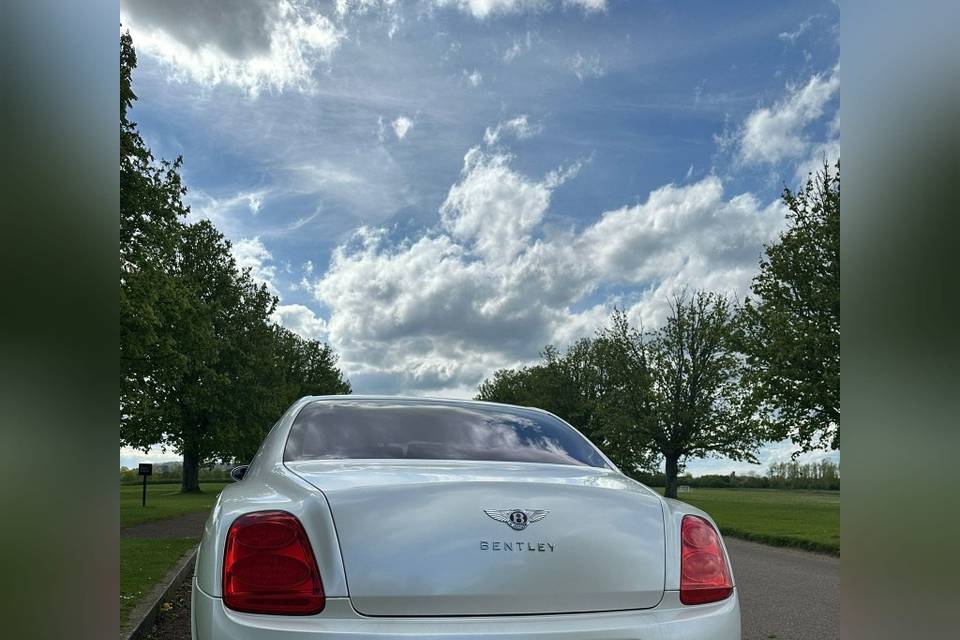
x: 431, y: 431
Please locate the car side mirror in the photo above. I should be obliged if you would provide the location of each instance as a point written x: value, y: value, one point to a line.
x: 237, y: 473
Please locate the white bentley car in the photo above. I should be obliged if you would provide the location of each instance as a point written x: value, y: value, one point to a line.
x: 377, y: 517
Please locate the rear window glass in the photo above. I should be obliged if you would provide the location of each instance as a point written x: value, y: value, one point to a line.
x: 433, y: 431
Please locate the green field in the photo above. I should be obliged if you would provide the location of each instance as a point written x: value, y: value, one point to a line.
x: 804, y: 519
x: 143, y: 562
x: 164, y: 501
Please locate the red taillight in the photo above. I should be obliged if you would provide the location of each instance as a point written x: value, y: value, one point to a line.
x: 704, y: 575
x: 268, y: 566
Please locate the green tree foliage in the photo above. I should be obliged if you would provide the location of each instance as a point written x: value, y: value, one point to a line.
x: 682, y: 392
x: 642, y: 396
x: 573, y: 386
x: 203, y: 369
x: 150, y: 212
x: 555, y: 385
x: 813, y: 475
x: 790, y: 330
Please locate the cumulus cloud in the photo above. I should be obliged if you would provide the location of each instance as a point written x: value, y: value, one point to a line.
x: 493, y: 207
x: 489, y: 286
x: 773, y: 134
x: 276, y: 45
x: 690, y: 235
x: 250, y: 44
x: 475, y: 78
x: 250, y: 253
x: 520, y: 128
x: 402, y: 126
x: 301, y: 320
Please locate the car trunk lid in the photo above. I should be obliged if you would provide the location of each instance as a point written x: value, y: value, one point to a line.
x: 429, y: 538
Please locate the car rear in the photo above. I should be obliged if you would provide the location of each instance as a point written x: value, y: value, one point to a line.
x: 440, y: 519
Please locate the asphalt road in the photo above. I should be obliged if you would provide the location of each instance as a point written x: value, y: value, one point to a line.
x: 786, y: 594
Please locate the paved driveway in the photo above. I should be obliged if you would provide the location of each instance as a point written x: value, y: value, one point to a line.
x: 786, y: 594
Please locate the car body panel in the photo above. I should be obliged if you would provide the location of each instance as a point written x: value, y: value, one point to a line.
x: 412, y: 536
x: 669, y: 620
x: 349, y: 507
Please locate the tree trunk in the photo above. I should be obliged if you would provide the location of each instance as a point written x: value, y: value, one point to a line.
x: 671, y: 472
x: 191, y: 472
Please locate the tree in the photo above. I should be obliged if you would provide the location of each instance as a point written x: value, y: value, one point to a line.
x: 626, y: 408
x: 575, y: 386
x: 790, y: 331
x: 681, y: 393
x: 203, y: 368
x: 150, y: 226
x: 200, y: 381
x: 560, y: 383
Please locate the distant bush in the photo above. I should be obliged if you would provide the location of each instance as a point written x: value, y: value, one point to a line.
x: 172, y: 472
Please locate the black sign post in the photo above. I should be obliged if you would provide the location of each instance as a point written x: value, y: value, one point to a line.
x: 145, y: 469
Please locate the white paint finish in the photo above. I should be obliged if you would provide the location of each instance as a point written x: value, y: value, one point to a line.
x: 411, y: 534
x: 402, y: 564
x: 670, y: 620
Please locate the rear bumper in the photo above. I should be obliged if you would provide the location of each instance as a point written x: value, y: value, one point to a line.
x: 668, y: 621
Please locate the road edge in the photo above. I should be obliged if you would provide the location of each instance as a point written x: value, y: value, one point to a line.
x: 143, y: 615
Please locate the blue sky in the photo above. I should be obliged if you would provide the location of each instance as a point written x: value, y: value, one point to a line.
x: 439, y: 188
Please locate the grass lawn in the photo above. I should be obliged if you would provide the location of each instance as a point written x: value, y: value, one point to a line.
x: 143, y: 562
x: 805, y: 519
x: 164, y: 501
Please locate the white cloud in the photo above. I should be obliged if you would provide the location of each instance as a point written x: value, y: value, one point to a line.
x: 772, y: 134
x: 689, y: 235
x: 519, y: 46
x: 222, y: 211
x: 253, y: 45
x: 301, y: 320
x: 486, y: 8
x: 402, y: 126
x: 276, y: 45
x: 494, y: 208
x: 520, y: 128
x: 492, y: 283
x: 586, y: 67
x: 381, y: 129
x: 475, y: 78
x: 250, y: 253
x: 513, y: 52
x: 363, y: 6
x: 828, y: 152
x: 792, y: 36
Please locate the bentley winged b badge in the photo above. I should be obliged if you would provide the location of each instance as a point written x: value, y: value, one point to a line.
x: 517, y: 519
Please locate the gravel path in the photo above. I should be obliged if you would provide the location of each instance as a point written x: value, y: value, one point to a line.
x: 189, y: 525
